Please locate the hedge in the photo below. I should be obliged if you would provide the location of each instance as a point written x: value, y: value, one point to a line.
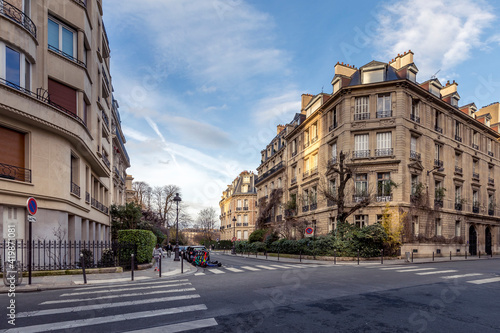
x: 144, y: 240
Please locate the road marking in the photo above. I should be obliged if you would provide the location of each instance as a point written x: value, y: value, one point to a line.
x: 232, y: 269
x: 495, y: 279
x: 66, y: 325
x: 460, y: 276
x: 414, y: 270
x: 114, y: 280
x: 438, y: 272
x: 126, y: 289
x: 199, y: 274
x: 250, y: 268
x: 166, y: 282
x: 116, y: 296
x: 280, y: 266
x: 181, y: 327
x: 216, y: 271
x: 76, y: 309
x: 266, y: 267
x: 398, y: 267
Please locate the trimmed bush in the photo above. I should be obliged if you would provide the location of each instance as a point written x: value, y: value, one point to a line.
x: 257, y: 235
x: 144, y: 241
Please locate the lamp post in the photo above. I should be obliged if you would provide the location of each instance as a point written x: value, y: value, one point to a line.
x: 233, y: 250
x: 177, y: 199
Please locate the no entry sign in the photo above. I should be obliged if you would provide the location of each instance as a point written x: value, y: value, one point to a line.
x: 32, y: 206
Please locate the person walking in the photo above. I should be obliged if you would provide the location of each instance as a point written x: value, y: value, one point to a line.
x: 157, y: 254
x: 169, y: 250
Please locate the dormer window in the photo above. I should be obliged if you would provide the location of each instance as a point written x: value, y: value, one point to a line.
x: 435, y: 89
x: 411, y: 75
x: 454, y: 101
x: 373, y: 75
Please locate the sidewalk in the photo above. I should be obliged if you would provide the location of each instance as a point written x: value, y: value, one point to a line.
x: 354, y: 260
x: 169, y: 268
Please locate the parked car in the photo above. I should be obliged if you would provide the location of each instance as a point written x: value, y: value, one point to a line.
x: 192, y: 250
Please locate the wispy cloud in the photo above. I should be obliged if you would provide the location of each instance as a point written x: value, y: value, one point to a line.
x: 442, y: 33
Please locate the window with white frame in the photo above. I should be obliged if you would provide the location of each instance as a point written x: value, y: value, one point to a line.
x: 238, y: 218
x: 314, y: 161
x: 61, y: 38
x: 307, y: 165
x: 457, y: 228
x: 414, y: 113
x: 383, y: 185
x: 371, y: 76
x: 437, y: 156
x: 384, y: 105
x: 490, y: 144
x: 414, y: 225
x: 239, y: 203
x: 439, y: 231
x: 475, y: 198
x: 305, y: 197
x: 361, y: 185
x: 314, y: 195
x: 414, y: 184
x: 306, y: 138
x: 384, y: 144
x: 361, y: 109
x: 314, y: 132
x: 458, y: 131
x: 458, y: 194
x: 238, y: 234
x: 245, y: 234
x: 333, y: 149
x: 361, y: 220
x: 491, y: 203
x: 245, y: 203
x: 361, y: 146
x: 245, y: 218
x: 333, y: 186
x: 15, y: 69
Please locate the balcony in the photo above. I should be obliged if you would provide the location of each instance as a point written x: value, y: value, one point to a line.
x: 105, y: 160
x: 475, y: 175
x: 438, y: 129
x: 313, y: 206
x: 438, y: 163
x: 222, y: 227
x: 305, y: 208
x: 414, y: 118
x: 75, y: 189
x: 67, y: 56
x: 384, y: 114
x: 361, y: 154
x: 290, y: 212
x: 359, y: 198
x: 458, y: 206
x: 414, y: 155
x: 294, y: 153
x: 458, y: 169
x: 239, y: 208
x: 491, y: 181
x: 279, y: 218
x: 384, y: 152
x: 81, y: 2
x: 293, y: 180
x: 313, y: 140
x: 8, y: 171
x: 475, y: 208
x: 384, y: 198
x: 87, y: 197
x: 99, y: 206
x: 491, y: 211
x: 305, y: 174
x: 105, y: 119
x: 314, y: 170
x: 361, y: 116
x: 269, y: 172
x: 16, y: 15
x: 306, y: 144
x: 475, y: 146
x: 228, y: 226
x: 238, y: 224
x: 438, y: 203
x: 332, y: 127
x: 458, y: 138
x: 245, y: 208
x: 333, y: 160
x: 490, y: 153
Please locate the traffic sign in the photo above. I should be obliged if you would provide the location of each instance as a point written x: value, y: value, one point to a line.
x: 32, y: 206
x: 309, y: 231
x: 217, y: 240
x: 31, y: 218
x: 233, y: 239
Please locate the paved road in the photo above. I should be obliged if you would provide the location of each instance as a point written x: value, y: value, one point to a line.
x: 249, y: 295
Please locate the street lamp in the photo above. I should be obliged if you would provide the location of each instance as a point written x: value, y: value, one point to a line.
x: 177, y: 199
x: 233, y: 250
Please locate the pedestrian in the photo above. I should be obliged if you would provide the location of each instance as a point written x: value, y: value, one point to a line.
x: 169, y: 250
x: 157, y: 254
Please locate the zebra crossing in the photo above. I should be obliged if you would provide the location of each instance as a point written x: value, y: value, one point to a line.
x: 425, y: 271
x: 129, y: 306
x: 254, y: 268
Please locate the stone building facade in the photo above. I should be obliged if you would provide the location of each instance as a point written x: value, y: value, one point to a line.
x: 61, y: 139
x: 411, y: 146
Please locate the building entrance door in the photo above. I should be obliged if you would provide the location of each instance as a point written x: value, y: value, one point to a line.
x: 488, y: 241
x: 472, y: 241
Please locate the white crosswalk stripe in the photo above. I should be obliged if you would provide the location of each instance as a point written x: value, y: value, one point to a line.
x: 197, y: 274
x: 460, y: 276
x: 250, y: 268
x: 397, y: 267
x: 216, y: 271
x: 235, y: 270
x: 128, y: 289
x: 483, y: 281
x: 280, y: 266
x: 266, y: 267
x: 438, y: 272
x: 181, y: 327
x: 414, y: 270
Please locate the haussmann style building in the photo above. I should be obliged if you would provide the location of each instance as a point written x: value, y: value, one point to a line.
x: 60, y: 134
x: 411, y: 145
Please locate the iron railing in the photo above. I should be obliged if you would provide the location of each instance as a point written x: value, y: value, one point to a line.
x: 314, y: 170
x: 279, y: 218
x: 87, y: 197
x: 438, y: 163
x: 414, y: 155
x: 105, y: 160
x: 475, y: 146
x: 458, y: 169
x: 245, y: 208
x: 17, y: 15
x: 491, y: 181
x: 361, y: 116
x: 62, y: 255
x: 69, y: 56
x: 8, y: 171
x: 305, y: 174
x: 475, y: 208
x: 81, y: 2
x: 490, y: 153
x: 293, y: 180
x: 384, y: 152
x: 105, y: 119
x: 332, y: 127
x: 384, y: 198
x: 414, y: 118
x: 491, y: 211
x: 313, y: 206
x: 269, y: 172
x: 458, y: 138
x: 384, y: 114
x: 458, y: 205
x: 361, y: 153
x: 438, y: 129
x: 438, y: 203
x: 75, y: 189
x: 475, y: 175
x: 99, y: 206
x: 305, y: 208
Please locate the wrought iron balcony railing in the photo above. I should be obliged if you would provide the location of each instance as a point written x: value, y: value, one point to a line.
x: 105, y: 160
x: 87, y: 197
x: 75, y: 189
x: 305, y: 174
x: 81, y: 2
x: 269, y: 172
x: 238, y: 208
x: 384, y: 198
x: 384, y: 152
x: 305, y: 208
x: 491, y: 212
x: 361, y: 116
x: 414, y: 118
x: 15, y: 173
x: 490, y: 153
x: 491, y: 181
x: 438, y: 203
x: 438, y: 129
x: 475, y: 146
x: 414, y: 155
x: 475, y: 208
x: 245, y: 208
x: 458, y: 205
x: 306, y: 144
x: 279, y: 218
x: 238, y: 224
x: 458, y: 169
x: 313, y: 206
x: 359, y: 197
x: 245, y: 224
x: 438, y: 163
x: 69, y: 56
x: 475, y: 175
x: 10, y: 11
x: 314, y: 170
x: 361, y: 153
x: 384, y: 114
x: 332, y: 127
x: 105, y: 119
x: 293, y: 180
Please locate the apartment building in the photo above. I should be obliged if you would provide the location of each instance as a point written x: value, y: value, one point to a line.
x: 61, y: 139
x: 409, y: 144
x: 238, y: 208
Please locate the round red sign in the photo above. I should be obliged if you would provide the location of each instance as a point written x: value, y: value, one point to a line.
x: 32, y: 206
x: 233, y: 239
x: 309, y: 231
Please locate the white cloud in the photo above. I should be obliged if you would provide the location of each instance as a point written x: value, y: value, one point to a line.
x: 441, y: 33
x: 276, y: 109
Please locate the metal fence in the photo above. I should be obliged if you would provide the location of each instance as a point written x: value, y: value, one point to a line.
x: 59, y: 255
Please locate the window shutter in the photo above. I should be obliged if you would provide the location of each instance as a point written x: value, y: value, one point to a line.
x: 63, y: 96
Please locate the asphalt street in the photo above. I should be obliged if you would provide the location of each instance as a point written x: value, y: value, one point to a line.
x: 250, y: 295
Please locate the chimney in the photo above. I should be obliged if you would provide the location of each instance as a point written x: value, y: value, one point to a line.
x: 280, y: 128
x: 306, y: 98
x: 345, y: 70
x: 450, y: 88
x: 402, y: 60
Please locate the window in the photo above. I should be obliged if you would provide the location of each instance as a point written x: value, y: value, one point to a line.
x: 279, y: 182
x: 244, y: 188
x: 475, y: 201
x: 414, y: 225
x: 414, y: 184
x: 475, y: 140
x: 246, y: 179
x: 294, y: 147
x: 238, y: 234
x: 265, y: 190
x: 384, y: 106
x: 314, y: 132
x: 384, y: 144
x: 489, y: 146
x: 305, y: 197
x: 245, y: 203
x: 373, y: 76
x: 439, y: 231
x: 61, y: 38
x: 383, y: 186
x: 333, y: 149
x: 334, y: 118
x: 314, y: 195
x: 475, y: 168
x: 361, y: 146
x: 239, y: 204
x: 245, y: 218
x: 413, y: 149
x: 13, y: 67
x: 491, y: 203
x: 307, y: 166
x: 414, y: 113
x: 361, y: 185
x: 437, y: 156
x: 245, y: 234
x: 361, y: 220
x: 490, y: 174
x: 437, y: 122
x: 361, y: 110
x: 457, y: 228
x: 306, y: 138
x: 458, y: 162
x: 13, y: 155
x: 333, y: 186
x: 458, y: 131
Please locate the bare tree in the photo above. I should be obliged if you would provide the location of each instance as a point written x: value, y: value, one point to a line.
x: 207, y: 219
x: 142, y: 194
x: 163, y: 203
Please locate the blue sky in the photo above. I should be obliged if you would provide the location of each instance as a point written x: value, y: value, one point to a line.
x: 202, y: 84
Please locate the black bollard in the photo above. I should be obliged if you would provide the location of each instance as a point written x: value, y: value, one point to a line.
x: 266, y: 254
x: 479, y: 254
x: 278, y: 254
x: 83, y: 268
x: 132, y: 266
x: 159, y: 266
x: 411, y: 256
x: 450, y: 255
x: 465, y: 254
x: 300, y: 256
x: 358, y: 256
x: 382, y: 256
x: 432, y: 255
x: 182, y: 262
x: 334, y: 257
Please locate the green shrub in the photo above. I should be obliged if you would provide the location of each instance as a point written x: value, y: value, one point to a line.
x: 88, y: 257
x: 107, y: 258
x: 144, y: 241
x: 257, y: 235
